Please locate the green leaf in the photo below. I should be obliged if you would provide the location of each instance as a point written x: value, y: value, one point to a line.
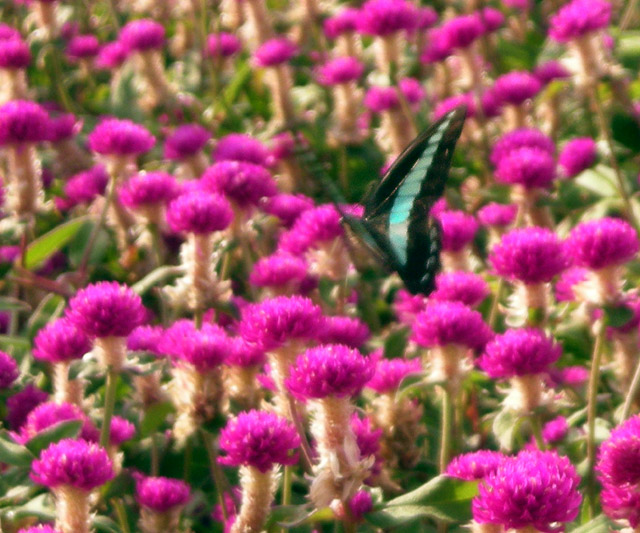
x: 505, y: 428
x: 617, y: 316
x: 13, y: 304
x: 235, y: 86
x: 395, y: 343
x: 599, y: 180
x: 14, y: 342
x: 13, y: 453
x: 45, y: 246
x: 290, y: 516
x: 600, y: 524
x: 105, y: 524
x: 401, y: 515
x: 40, y: 507
x: 626, y: 131
x: 55, y: 433
x: 154, y: 417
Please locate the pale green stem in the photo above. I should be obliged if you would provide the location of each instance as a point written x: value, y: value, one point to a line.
x: 632, y: 393
x: 445, y: 430
x: 109, y: 405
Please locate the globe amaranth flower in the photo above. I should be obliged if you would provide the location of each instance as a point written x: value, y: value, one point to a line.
x: 475, y: 465
x: 520, y: 138
x: 463, y: 30
x: 223, y: 44
x: 621, y: 503
x: 412, y: 90
x: 533, y: 489
x: 148, y: 189
x: 142, y: 34
x: 578, y: 18
x: 516, y: 87
x: 48, y: 414
x: 14, y: 54
x: 449, y: 104
x: 529, y: 255
x: 555, y: 430
x: 360, y: 504
x: 106, y: 309
x: 491, y: 19
x: 287, y: 207
x: 185, y: 141
x: 406, y: 305
x: 42, y: 528
x: 389, y: 373
x: 498, y: 215
x: 83, y: 187
x: 385, y: 17
x: 121, y: 431
x: 63, y: 126
x: 114, y: 136
x: 460, y: 286
x: 346, y: 330
x: 111, y: 56
x: 438, y: 47
x: 568, y: 279
x: 274, y: 52
x: 346, y: 20
x: 8, y: 370
x: 279, y: 270
x: 161, y: 494
x: 530, y: 168
x: 59, y: 341
x: 601, y: 243
x: 83, y: 47
x: 380, y: 99
x: 199, y: 212
x: 550, y: 71
x: 339, y: 70
x: 22, y: 121
x: 242, y: 147
x: 426, y: 17
x: 458, y: 229
x: 22, y: 403
x: 145, y: 339
x: 245, y: 184
x: 313, y: 227
x: 8, y: 32
x: 577, y: 155
x: 259, y: 439
x: 329, y: 370
x: 619, y: 456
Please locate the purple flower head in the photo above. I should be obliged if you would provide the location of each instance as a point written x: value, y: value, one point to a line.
x: 529, y: 167
x: 161, y: 494
x: 443, y: 323
x: 516, y: 87
x: 84, y: 187
x: 279, y: 270
x: 75, y: 463
x: 22, y: 403
x: 83, y: 47
x: 368, y: 441
x: 571, y: 376
x: 549, y: 71
x: 384, y: 17
x: 462, y: 30
x: 465, y: 287
x: 48, y: 414
x: 63, y: 126
x: 121, y: 431
x: 106, y: 309
x: 351, y: 332
x: 621, y: 503
x: 438, y: 47
x: 389, y: 373
x: 283, y: 145
x: 380, y: 99
x: 555, y: 430
x: 458, y: 229
x: 475, y: 465
x: 145, y: 339
x: 114, y: 136
x: 42, y: 528
x: 313, y: 226
x: 8, y: 370
x: 287, y: 207
x: 111, y: 55
x: 8, y: 32
x: 271, y: 323
x: 148, y: 189
x: 22, y: 121
x: 241, y: 147
x: 426, y: 18
x: 533, y: 489
x: 9, y: 253
x: 245, y: 184
x: 491, y: 19
x: 205, y: 348
x: 567, y: 279
x: 601, y: 243
x: 579, y: 17
x: 577, y: 155
x: 498, y: 215
x: 259, y: 439
x: 406, y: 305
x: 329, y: 370
x: 449, y: 104
x: 340, y: 70
x: 245, y: 355
x: 142, y: 34
x: 530, y: 255
x: 274, y: 52
x: 199, y: 212
x: 412, y: 90
x: 518, y: 4
x: 619, y: 456
x: 524, y: 137
x: 60, y: 341
x: 346, y: 20
x: 360, y: 504
x: 14, y: 54
x: 519, y: 352
x: 223, y: 44
x: 185, y: 141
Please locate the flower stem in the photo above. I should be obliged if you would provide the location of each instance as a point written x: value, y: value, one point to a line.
x: 536, y: 429
x: 121, y: 514
x: 445, y: 435
x: 109, y: 405
x: 286, y: 488
x: 216, y: 474
x: 632, y: 393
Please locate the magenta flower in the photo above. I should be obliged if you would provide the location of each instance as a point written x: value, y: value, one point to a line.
x: 621, y: 503
x: 516, y: 87
x: 244, y: 355
x: 577, y: 155
x: 111, y: 56
x: 619, y: 456
x: 14, y: 54
x: 458, y: 229
x: 491, y: 19
x: 555, y: 430
x: 406, y: 305
x: 389, y: 373
x: 279, y: 270
x: 84, y: 187
x: 380, y: 99
x: 145, y: 339
x: 106, y: 309
x: 460, y: 286
x: 579, y: 17
x: 438, y: 47
x: 426, y: 17
x: 259, y: 439
x: 75, y: 463
x: 287, y: 207
x: 384, y: 17
x: 148, y: 189
x: 22, y: 121
x: 521, y: 138
x: 205, y: 348
x: 475, y: 465
x: 185, y: 141
x: 329, y: 370
x: 533, y: 489
x: 360, y: 504
x: 313, y: 226
x: 601, y: 243
x: 530, y: 255
x: 566, y: 281
x: 199, y: 212
x: 346, y: 330
x: 142, y: 34
x: 449, y: 104
x: 223, y: 44
x: 529, y: 167
x: 412, y: 90
x: 241, y: 147
x: 274, y: 52
x: 462, y: 30
x: 60, y: 341
x: 8, y: 370
x: 346, y: 20
x: 63, y: 126
x: 8, y: 32
x: 121, y: 431
x: 245, y: 184
x: 83, y: 47
x: 339, y: 70
x: 114, y: 136
x: 498, y: 215
x: 161, y: 494
x: 42, y: 528
x: 550, y: 71
x: 48, y: 414
x: 22, y: 403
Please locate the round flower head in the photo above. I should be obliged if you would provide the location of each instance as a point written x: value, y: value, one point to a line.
x: 521, y: 138
x: 14, y: 54
x: 145, y: 339
x: 142, y: 34
x: 8, y: 370
x: 22, y: 121
x: 519, y: 352
x: 115, y: 136
x: 283, y: 145
x: 389, y: 373
x: 111, y: 55
x: 148, y: 188
x: 438, y: 47
x: 475, y: 465
x: 601, y: 243
x: 259, y: 439
x: 329, y: 370
x: 317, y: 225
x: 443, y: 323
x: 449, y: 104
x: 161, y: 494
x: 621, y: 503
x: 185, y: 141
x: 384, y: 17
x: 278, y: 270
x: 516, y: 87
x: 346, y: 20
x: 368, y: 441
x: 22, y: 403
x: 550, y: 71
x: 533, y: 489
x: 49, y: 414
x: 530, y: 255
x: 106, y: 309
x: 75, y: 463
x: 287, y: 207
x: 271, y: 323
x: 555, y: 430
x: 340, y: 70
x: 498, y: 215
x: 244, y: 355
x: 426, y: 17
x: 9, y: 253
x: 360, y: 504
x: 577, y: 155
x: 529, y: 167
x: 458, y: 229
x: 462, y: 30
x: 461, y: 286
x: 579, y: 17
x: 241, y: 147
x: 59, y: 341
x: 82, y: 47
x: 567, y: 280
x: 42, y: 528
x: 406, y: 305
x: 491, y: 18
x: 345, y: 330
x: 274, y: 52
x: 8, y: 32
x: 380, y: 99
x: 205, y: 348
x: 63, y: 126
x: 412, y: 90
x: 619, y: 456
x: 223, y: 44
x: 243, y: 183
x: 84, y: 187
x: 199, y: 212
x: 121, y: 431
